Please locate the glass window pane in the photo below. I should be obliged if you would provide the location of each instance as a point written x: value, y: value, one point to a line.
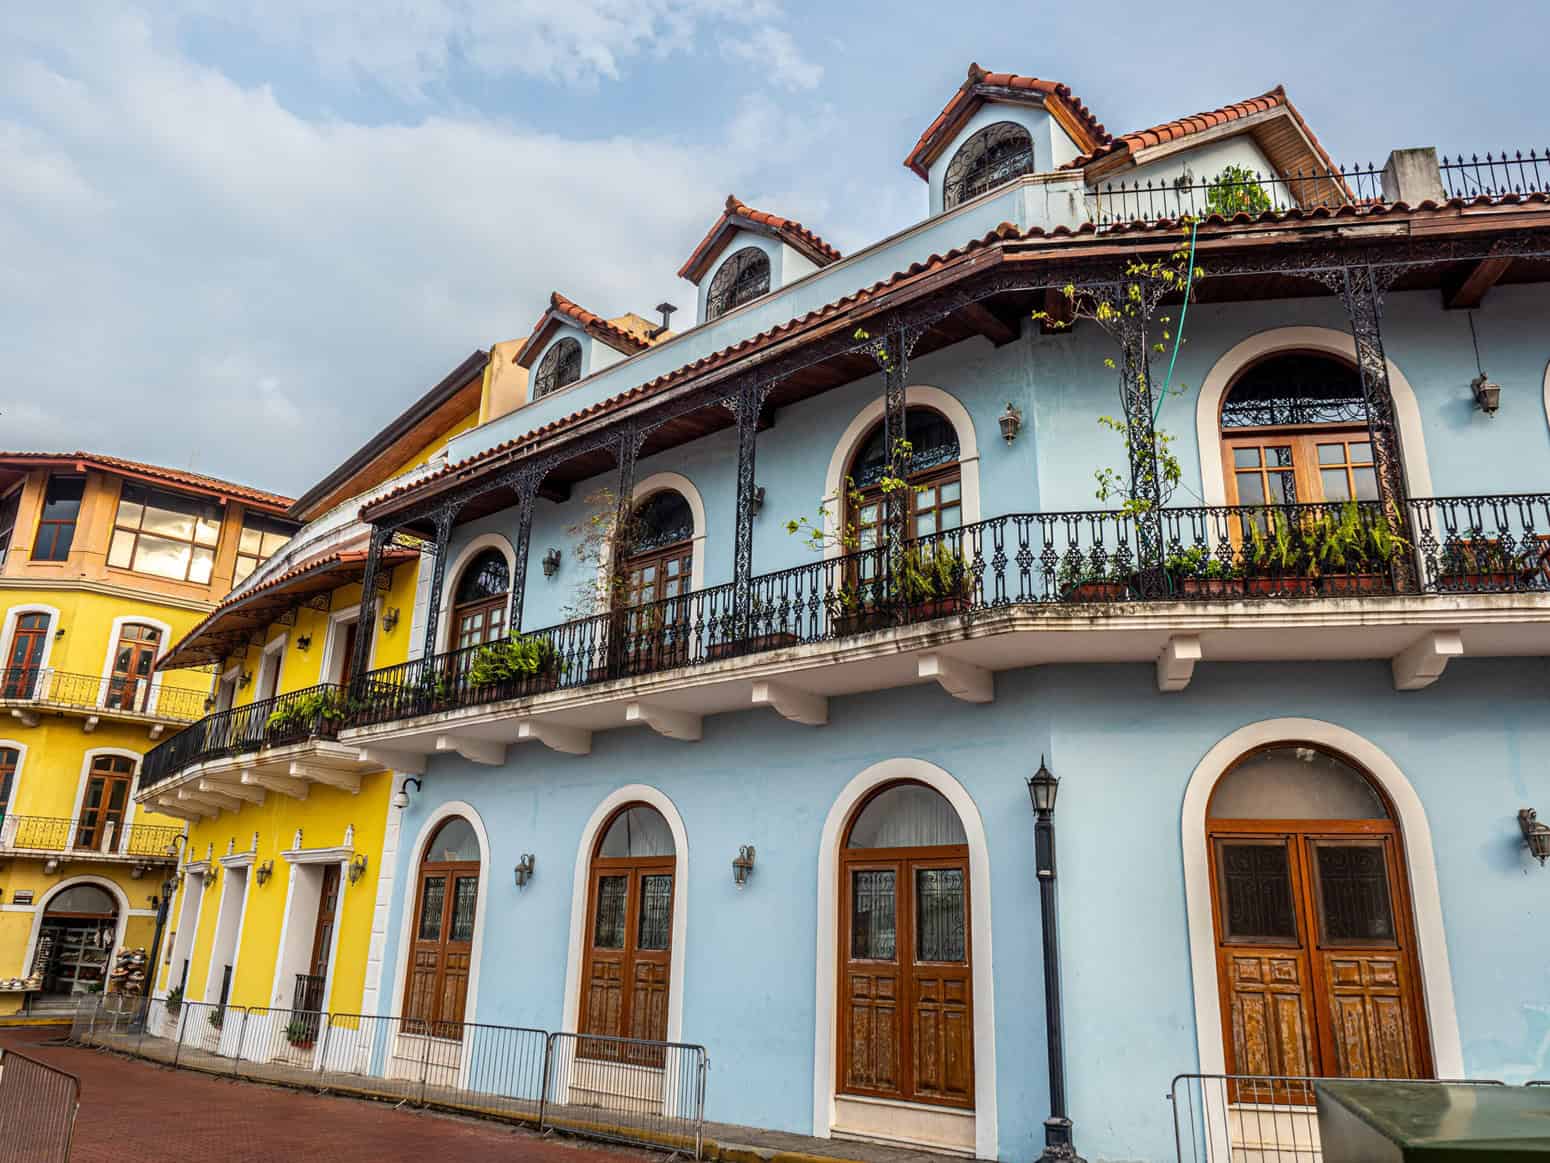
x: 873, y: 917
x: 168, y: 522
x: 129, y: 512
x: 432, y: 895
x: 608, y: 926
x: 465, y: 896
x: 951, y: 517
x: 250, y: 541
x: 1366, y: 484
x: 454, y: 843
x: 656, y: 912
x: 202, y: 566
x: 951, y: 490
x: 1251, y: 489
x: 1361, y: 452
x: 925, y: 524
x: 926, y: 497
x: 243, y: 567
x: 1257, y: 888
x: 1245, y: 457
x: 207, y: 532
x: 1280, y: 455
x: 157, y: 555
x: 1332, y: 453
x: 121, y: 552
x: 1283, y: 487
x: 939, y: 914
x: 638, y: 831
x: 1337, y: 487
x: 1354, y: 902
x: 907, y: 815
x: 1295, y: 783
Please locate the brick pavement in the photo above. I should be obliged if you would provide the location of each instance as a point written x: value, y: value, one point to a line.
x: 132, y: 1111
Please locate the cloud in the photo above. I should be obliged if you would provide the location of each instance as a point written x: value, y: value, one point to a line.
x: 196, y: 274
x: 771, y: 49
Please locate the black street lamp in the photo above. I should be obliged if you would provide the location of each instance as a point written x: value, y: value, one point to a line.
x: 1042, y: 789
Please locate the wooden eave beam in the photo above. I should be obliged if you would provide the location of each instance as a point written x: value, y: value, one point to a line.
x: 1468, y: 290
x: 987, y: 323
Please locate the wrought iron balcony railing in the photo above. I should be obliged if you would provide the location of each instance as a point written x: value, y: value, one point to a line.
x: 115, y: 694
x: 1092, y: 560
x: 314, y: 712
x: 87, y: 835
x: 1241, y: 192
x: 1496, y: 175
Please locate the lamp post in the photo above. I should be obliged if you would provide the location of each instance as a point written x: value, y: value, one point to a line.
x: 1042, y: 789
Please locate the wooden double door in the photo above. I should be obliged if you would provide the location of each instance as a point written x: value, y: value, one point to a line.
x: 24, y: 659
x: 627, y: 974
x: 106, y: 801
x: 906, y: 1010
x: 1316, y: 950
x: 442, y: 950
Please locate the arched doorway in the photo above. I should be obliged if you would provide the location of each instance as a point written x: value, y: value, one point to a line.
x: 480, y: 601
x: 1317, y: 968
x: 905, y: 1012
x: 626, y: 975
x: 24, y: 657
x: 652, y: 579
x: 105, y: 802
x: 442, y: 940
x: 934, y: 496
x: 75, y: 940
x: 133, y: 658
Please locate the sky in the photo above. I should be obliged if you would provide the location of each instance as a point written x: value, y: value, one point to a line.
x: 239, y: 236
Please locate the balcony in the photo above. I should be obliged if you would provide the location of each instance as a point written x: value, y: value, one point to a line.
x: 88, y: 838
x: 27, y: 691
x: 1460, y: 575
x: 282, y: 744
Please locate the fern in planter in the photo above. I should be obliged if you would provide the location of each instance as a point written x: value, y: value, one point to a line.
x: 938, y: 574
x: 512, y: 660
x: 174, y: 1001
x: 300, y: 1034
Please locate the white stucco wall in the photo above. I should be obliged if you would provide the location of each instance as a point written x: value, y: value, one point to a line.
x: 780, y: 275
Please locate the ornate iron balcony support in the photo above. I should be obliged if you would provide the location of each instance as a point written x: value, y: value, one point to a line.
x: 627, y: 451
x: 746, y: 406
x: 527, y: 483
x: 444, y: 518
x: 380, y: 536
x: 1130, y: 328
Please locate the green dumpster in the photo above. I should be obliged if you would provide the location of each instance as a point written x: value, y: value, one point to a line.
x: 1378, y: 1122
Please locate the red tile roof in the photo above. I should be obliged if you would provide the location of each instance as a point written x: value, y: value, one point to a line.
x: 562, y: 310
x: 979, y: 86
x: 739, y: 215
x: 1004, y: 233
x: 1200, y: 122
x: 81, y: 461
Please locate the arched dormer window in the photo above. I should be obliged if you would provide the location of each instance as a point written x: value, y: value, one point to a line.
x: 483, y: 593
x: 741, y: 279
x: 1294, y: 428
x: 992, y: 157
x: 561, y: 365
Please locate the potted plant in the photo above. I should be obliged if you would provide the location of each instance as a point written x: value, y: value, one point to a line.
x: 1196, y: 573
x: 1484, y: 563
x: 766, y: 630
x: 174, y: 1001
x: 524, y: 663
x: 933, y: 582
x: 1081, y: 579
x: 1277, y: 557
x: 217, y: 1017
x: 301, y: 1033
x: 1354, y: 551
x: 854, y: 608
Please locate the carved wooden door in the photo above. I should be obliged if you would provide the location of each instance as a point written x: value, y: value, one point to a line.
x: 133, y: 658
x: 1315, y: 951
x: 442, y: 949
x: 906, y: 1012
x: 627, y: 972
x: 19, y: 680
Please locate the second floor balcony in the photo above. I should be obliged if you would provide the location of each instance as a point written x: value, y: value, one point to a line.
x: 102, y: 836
x: 27, y: 692
x: 1352, y: 581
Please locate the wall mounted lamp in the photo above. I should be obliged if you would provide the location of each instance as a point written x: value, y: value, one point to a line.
x: 59, y: 633
x: 50, y: 866
x: 742, y: 865
x: 245, y: 679
x: 401, y: 796
x: 1488, y: 396
x: 1535, y: 834
x: 304, y: 642
x: 390, y: 620
x: 357, y: 867
x: 524, y: 870
x: 263, y: 872
x: 756, y: 502
x: 1011, y: 422
x: 551, y: 562
x: 137, y: 872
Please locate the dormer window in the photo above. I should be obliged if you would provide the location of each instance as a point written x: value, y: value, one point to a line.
x: 992, y: 157
x: 561, y: 365
x: 742, y: 278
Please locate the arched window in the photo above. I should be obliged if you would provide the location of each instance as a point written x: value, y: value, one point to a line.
x: 443, y: 937
x: 133, y: 658
x: 560, y: 365
x: 23, y: 662
x: 658, y: 557
x: 629, y: 933
x: 905, y: 1026
x: 479, y: 605
x: 9, y: 759
x: 1313, y: 921
x: 75, y: 940
x: 105, y: 802
x: 1294, y: 429
x: 740, y: 279
x: 992, y: 157
x: 934, y: 499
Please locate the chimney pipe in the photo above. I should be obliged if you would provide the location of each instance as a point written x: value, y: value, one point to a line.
x: 667, y: 310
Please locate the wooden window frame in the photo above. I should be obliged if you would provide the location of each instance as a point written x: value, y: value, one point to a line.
x: 58, y: 529
x: 120, y: 681
x: 252, y: 561
x: 150, y: 499
x: 484, y: 608
x: 10, y: 764
x: 88, y: 835
x: 20, y: 680
x: 1304, y: 442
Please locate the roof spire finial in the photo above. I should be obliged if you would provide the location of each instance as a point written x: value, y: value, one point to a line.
x: 976, y: 74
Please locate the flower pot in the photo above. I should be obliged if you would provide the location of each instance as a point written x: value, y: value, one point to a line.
x: 759, y: 642
x: 1211, y: 587
x: 1096, y: 591
x: 1473, y: 582
x: 1340, y: 584
x: 861, y: 621
x: 936, y: 608
x: 304, y: 1044
x: 1291, y: 586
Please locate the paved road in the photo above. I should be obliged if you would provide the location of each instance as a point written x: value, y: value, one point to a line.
x: 132, y: 1111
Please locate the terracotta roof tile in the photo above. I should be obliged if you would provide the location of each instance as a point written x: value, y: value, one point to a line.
x: 177, y: 476
x: 563, y: 310
x: 739, y: 214
x: 980, y: 86
x: 1006, y: 232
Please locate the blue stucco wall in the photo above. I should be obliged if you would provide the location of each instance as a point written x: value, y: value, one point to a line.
x: 1472, y: 746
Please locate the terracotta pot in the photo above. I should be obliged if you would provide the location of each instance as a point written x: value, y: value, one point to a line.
x: 1211, y: 587
x: 1097, y: 591
x: 861, y: 621
x: 1290, y: 586
x: 1341, y: 584
x: 1488, y: 580
x: 754, y: 645
x: 936, y: 608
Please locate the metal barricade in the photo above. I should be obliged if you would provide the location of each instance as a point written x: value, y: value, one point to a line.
x: 38, y: 1105
x: 626, y: 1089
x: 84, y: 1019
x: 370, y: 1055
x: 208, y: 1036
x: 280, y: 1045
x: 1253, y: 1118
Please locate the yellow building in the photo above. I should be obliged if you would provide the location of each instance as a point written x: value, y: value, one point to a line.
x: 292, y: 836
x: 104, y: 563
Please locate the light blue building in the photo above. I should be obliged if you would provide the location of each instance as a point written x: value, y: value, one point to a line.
x: 769, y: 793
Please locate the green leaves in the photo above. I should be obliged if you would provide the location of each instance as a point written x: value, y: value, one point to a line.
x: 512, y: 660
